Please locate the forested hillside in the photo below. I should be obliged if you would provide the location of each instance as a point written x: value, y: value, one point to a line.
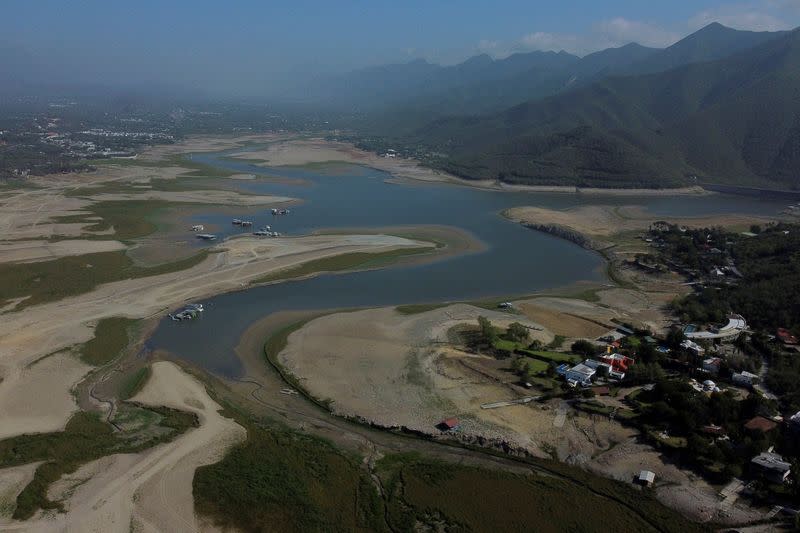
x: 735, y: 120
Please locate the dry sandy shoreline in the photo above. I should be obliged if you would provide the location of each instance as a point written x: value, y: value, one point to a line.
x: 605, y: 221
x: 288, y: 151
x: 152, y: 490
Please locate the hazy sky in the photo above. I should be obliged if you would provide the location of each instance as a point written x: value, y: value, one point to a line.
x: 250, y: 46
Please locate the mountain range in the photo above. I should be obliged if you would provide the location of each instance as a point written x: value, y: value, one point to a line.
x: 721, y: 106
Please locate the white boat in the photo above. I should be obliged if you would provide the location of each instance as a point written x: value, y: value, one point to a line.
x: 206, y: 236
x: 236, y: 222
x: 246, y: 223
x: 198, y: 227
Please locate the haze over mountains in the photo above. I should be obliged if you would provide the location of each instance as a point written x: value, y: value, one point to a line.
x: 721, y: 105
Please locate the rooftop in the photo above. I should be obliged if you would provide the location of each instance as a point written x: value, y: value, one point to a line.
x: 581, y: 368
x: 647, y: 476
x: 772, y: 461
x: 759, y: 423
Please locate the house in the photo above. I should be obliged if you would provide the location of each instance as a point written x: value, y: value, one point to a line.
x: 693, y: 347
x: 712, y: 429
x: 786, y: 337
x: 625, y: 330
x: 745, y: 379
x: 760, y: 424
x: 771, y: 466
x: 562, y: 369
x: 646, y: 478
x: 448, y: 424
x: 601, y: 368
x: 580, y: 373
x: 619, y: 363
x: 712, y: 365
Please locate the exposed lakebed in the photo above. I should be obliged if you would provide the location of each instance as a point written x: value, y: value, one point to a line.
x: 515, y: 260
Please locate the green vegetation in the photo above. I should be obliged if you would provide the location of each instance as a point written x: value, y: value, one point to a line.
x: 634, y: 131
x: 85, y: 438
x: 685, y: 413
x: 134, y: 383
x: 285, y: 481
x: 769, y: 293
x: 48, y: 281
x: 548, y: 356
x: 338, y: 263
x: 130, y: 219
x: 433, y: 495
x: 110, y: 338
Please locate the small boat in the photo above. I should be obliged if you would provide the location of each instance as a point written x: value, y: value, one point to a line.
x: 198, y: 227
x: 246, y: 223
x: 206, y: 236
x: 261, y: 233
x: 236, y: 222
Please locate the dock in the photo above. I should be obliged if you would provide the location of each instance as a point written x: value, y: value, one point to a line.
x: 520, y: 401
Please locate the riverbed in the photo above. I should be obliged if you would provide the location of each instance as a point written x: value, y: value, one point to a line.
x: 514, y: 260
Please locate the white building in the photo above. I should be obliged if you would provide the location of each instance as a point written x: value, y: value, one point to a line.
x: 745, y: 379
x: 735, y: 326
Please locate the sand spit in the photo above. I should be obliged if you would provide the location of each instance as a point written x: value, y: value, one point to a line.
x: 213, y: 197
x: 44, y: 329
x: 380, y: 364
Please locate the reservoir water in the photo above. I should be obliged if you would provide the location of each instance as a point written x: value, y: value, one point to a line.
x: 516, y: 261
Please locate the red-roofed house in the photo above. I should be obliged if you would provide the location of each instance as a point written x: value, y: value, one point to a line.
x: 786, y: 336
x: 759, y: 423
x: 618, y: 362
x: 448, y: 424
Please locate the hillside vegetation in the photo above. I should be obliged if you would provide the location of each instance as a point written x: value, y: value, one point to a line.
x: 719, y: 106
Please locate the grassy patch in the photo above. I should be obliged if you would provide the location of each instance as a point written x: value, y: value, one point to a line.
x: 338, y: 263
x: 110, y: 338
x: 48, y: 281
x: 134, y: 383
x: 537, y: 366
x: 84, y: 439
x: 130, y: 219
x: 556, y: 357
x: 283, y: 481
x: 426, y: 494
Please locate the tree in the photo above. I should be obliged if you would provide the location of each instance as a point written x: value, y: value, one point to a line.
x: 517, y: 332
x: 488, y: 332
x: 675, y: 337
x: 535, y: 344
x: 516, y: 364
x: 583, y: 347
x: 526, y: 372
